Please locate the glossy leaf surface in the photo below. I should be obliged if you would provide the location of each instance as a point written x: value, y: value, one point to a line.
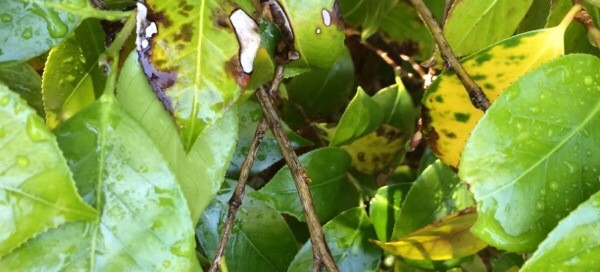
x: 362, y: 116
x: 402, y: 25
x: 199, y: 172
x: 144, y: 222
x: 368, y: 14
x: 31, y: 27
x: 348, y: 239
x: 37, y: 191
x: 327, y: 169
x: 436, y: 193
x: 398, y: 108
x: 528, y: 163
x: 573, y: 244
x: 446, y: 239
x: 385, y: 206
x: 191, y: 60
x: 72, y: 77
x: 375, y: 151
x: 472, y: 25
x: 21, y: 78
x: 450, y: 117
x: 260, y: 239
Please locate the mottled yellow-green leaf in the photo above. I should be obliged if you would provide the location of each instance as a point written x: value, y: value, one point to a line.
x: 376, y: 150
x: 449, y: 115
x: 445, y: 239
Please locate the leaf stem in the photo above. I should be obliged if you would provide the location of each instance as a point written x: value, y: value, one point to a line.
x: 478, y: 98
x: 110, y: 58
x: 321, y: 253
x: 583, y: 17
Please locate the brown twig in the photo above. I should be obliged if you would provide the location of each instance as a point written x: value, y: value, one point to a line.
x: 385, y: 57
x: 238, y: 194
x: 584, y: 17
x: 477, y: 96
x: 321, y: 253
x: 447, y: 8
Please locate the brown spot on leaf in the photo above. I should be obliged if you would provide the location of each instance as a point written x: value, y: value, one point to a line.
x: 234, y: 70
x: 360, y: 156
x: 185, y: 33
x: 159, y: 18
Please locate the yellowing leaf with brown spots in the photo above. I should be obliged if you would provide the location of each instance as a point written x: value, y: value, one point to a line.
x: 445, y: 239
x: 376, y: 150
x: 449, y: 115
x: 198, y: 57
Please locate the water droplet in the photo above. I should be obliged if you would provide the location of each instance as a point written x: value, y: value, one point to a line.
x: 27, y: 33
x: 56, y: 27
x: 539, y: 205
x: 507, y: 209
x: 22, y: 161
x: 535, y: 109
x: 553, y: 186
x: 166, y: 263
x: 70, y: 78
x: 35, y: 129
x: 6, y: 18
x: 261, y: 157
x: 587, y: 80
x: 571, y: 168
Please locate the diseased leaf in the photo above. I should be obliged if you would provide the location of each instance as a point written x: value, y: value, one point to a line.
x: 449, y: 115
x: 527, y: 162
x: 37, y: 191
x: 436, y: 193
x: 191, y: 57
x: 377, y: 150
x: 348, y: 239
x: 472, y: 25
x: 362, y: 116
x: 260, y: 239
x: 384, y: 208
x: 573, y: 244
x: 21, y: 78
x: 72, y: 78
x: 327, y: 169
x: 446, y: 239
x: 201, y: 171
x: 144, y: 224
x: 31, y: 27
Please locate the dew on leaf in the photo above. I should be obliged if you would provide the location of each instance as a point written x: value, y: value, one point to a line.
x: 4, y: 101
x: 35, y: 131
x: 6, y: 18
x: 22, y: 161
x: 587, y: 80
x: 553, y: 186
x: 27, y: 33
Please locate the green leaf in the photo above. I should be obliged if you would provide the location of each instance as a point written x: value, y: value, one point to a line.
x: 144, y: 222
x: 260, y: 239
x: 576, y: 37
x: 472, y: 25
x: 31, y: 27
x: 191, y: 59
x: 573, y: 244
x: 348, y: 239
x: 536, y: 16
x: 37, y: 191
x: 72, y: 77
x: 199, y: 172
x: 362, y: 116
x: 21, y: 78
x: 436, y: 193
x: 533, y: 157
x: 402, y: 25
x: 398, y: 108
x: 322, y: 92
x: 446, y: 239
x: 506, y: 262
x: 327, y: 169
x: 385, y: 207
x: 268, y: 151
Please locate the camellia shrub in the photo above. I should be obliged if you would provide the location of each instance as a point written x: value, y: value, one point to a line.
x: 132, y: 132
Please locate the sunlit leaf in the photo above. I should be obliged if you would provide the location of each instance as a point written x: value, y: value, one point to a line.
x: 529, y: 163
x: 72, y: 78
x: 377, y: 150
x: 21, y: 78
x: 199, y: 172
x: 473, y: 24
x: 144, y: 224
x: 397, y: 107
x: 450, y: 117
x: 260, y: 239
x: 327, y: 169
x: 402, y: 25
x: 362, y: 116
x: 445, y: 239
x: 348, y: 239
x: 573, y: 244
x: 37, y: 191
x: 384, y: 208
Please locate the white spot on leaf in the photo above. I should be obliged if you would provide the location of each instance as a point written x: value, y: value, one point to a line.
x: 248, y: 37
x: 326, y: 17
x: 318, y: 31
x: 144, y: 31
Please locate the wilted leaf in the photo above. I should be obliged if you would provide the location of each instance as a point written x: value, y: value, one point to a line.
x: 37, y: 191
x: 199, y: 172
x: 327, y: 169
x: 436, y: 193
x: 72, y: 78
x: 362, y: 116
x: 528, y: 163
x: 384, y: 208
x: 260, y: 239
x: 377, y: 150
x: 573, y: 244
x: 474, y: 24
x: 348, y: 239
x: 450, y: 117
x: 144, y: 224
x: 446, y: 239
x: 21, y: 78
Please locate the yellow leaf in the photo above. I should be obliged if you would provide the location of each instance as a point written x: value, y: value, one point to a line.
x: 449, y: 115
x: 445, y: 239
x: 376, y: 150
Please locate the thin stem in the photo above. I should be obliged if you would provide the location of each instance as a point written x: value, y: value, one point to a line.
x: 238, y: 194
x: 384, y: 56
x: 584, y: 18
x: 477, y: 96
x: 301, y: 179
